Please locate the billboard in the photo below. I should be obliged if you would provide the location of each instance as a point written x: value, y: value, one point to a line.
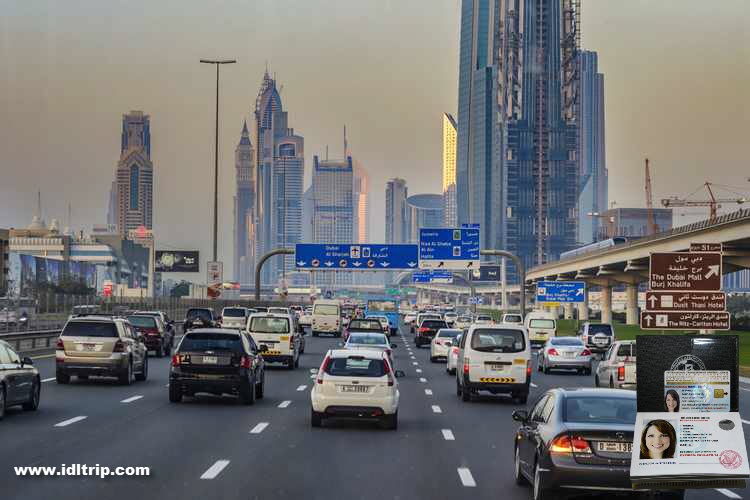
x: 177, y: 261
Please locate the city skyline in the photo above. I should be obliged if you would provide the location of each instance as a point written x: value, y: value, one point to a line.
x: 41, y: 101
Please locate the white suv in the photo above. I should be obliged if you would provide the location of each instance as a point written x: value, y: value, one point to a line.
x: 356, y: 384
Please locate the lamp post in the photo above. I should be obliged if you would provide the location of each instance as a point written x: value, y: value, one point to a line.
x: 217, y: 63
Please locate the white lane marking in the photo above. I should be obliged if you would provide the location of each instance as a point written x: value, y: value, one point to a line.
x: 728, y: 493
x: 313, y: 370
x: 422, y: 379
x: 49, y: 379
x: 448, y: 435
x: 534, y: 385
x: 428, y: 392
x: 302, y: 388
x: 73, y: 420
x: 415, y: 363
x: 746, y: 422
x: 215, y: 469
x: 130, y: 400
x: 313, y: 376
x: 284, y: 404
x: 436, y: 409
x: 43, y: 356
x: 466, y: 478
x: 259, y: 428
x: 743, y: 389
x: 419, y: 370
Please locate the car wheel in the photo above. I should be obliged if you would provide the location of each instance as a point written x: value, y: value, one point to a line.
x: 458, y: 388
x: 259, y: 388
x: 596, y: 380
x: 175, y: 393
x: 433, y: 359
x: 539, y: 365
x: 316, y: 418
x: 2, y: 401
x: 611, y: 383
x: 296, y: 362
x: 314, y: 333
x: 82, y: 377
x: 389, y: 422
x: 539, y: 491
x: 465, y: 393
x: 144, y: 370
x: 33, y: 403
x: 62, y: 378
x: 517, y: 474
x: 522, y: 398
x: 247, y: 393
x: 159, y: 352
x: 290, y: 363
x: 587, y: 371
x: 302, y: 349
x: 127, y: 377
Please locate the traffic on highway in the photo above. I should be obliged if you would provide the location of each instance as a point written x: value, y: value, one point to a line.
x: 274, y: 408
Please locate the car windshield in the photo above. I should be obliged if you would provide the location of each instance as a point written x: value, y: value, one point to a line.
x: 267, y: 324
x: 448, y: 334
x: 365, y: 324
x: 233, y: 312
x: 355, y: 366
x: 278, y: 310
x: 626, y: 350
x: 202, y: 314
x: 142, y: 321
x: 497, y: 340
x: 513, y: 318
x: 89, y: 329
x: 326, y: 309
x: 434, y: 324
x: 605, y: 329
x: 566, y: 341
x: 360, y: 339
x: 208, y: 341
x: 600, y: 409
x: 542, y: 323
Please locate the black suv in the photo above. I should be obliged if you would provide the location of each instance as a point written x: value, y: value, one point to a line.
x: 200, y: 317
x: 427, y: 331
x: 217, y: 361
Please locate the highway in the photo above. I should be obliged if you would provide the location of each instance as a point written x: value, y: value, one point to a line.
x: 212, y: 447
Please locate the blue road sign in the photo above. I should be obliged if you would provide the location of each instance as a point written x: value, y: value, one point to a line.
x: 349, y: 257
x: 449, y: 248
x: 560, y: 291
x: 429, y: 276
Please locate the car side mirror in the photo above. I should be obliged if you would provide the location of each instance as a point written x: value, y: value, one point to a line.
x: 262, y: 348
x: 394, y: 346
x: 27, y: 361
x: 399, y: 373
x: 520, y: 416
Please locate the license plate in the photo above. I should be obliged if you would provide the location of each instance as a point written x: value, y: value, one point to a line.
x: 614, y: 447
x: 87, y: 347
x: 600, y: 341
x: 569, y: 354
x: 496, y: 368
x: 353, y: 388
x: 210, y: 360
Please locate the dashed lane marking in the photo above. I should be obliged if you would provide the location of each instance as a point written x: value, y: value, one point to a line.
x: 436, y: 409
x: 215, y: 469
x: 448, y: 435
x: 131, y: 399
x: 48, y: 379
x: 43, y: 356
x: 259, y: 428
x: 746, y: 422
x: 284, y: 404
x: 415, y: 363
x: 422, y: 379
x: 466, y: 478
x: 428, y: 392
x: 728, y: 493
x: 302, y: 388
x: 73, y: 420
x: 419, y: 370
x: 534, y: 385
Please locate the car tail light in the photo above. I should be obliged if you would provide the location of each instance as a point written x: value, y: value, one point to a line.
x: 291, y: 342
x: 454, y: 350
x: 423, y: 329
x: 552, y: 352
x: 60, y: 344
x: 568, y: 445
x: 388, y: 372
x: 246, y: 362
x: 388, y: 352
x: 323, y: 369
x: 175, y: 360
x: 528, y: 369
x: 466, y: 366
x: 119, y: 346
x: 585, y: 352
x: 621, y: 373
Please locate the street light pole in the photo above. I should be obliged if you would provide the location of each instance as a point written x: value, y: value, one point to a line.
x: 216, y: 152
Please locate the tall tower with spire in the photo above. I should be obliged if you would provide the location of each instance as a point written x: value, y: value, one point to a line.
x: 135, y: 174
x: 244, y: 209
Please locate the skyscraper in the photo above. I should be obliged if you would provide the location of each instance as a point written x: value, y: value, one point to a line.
x: 244, y: 209
x: 449, y: 171
x: 593, y: 174
x: 423, y: 211
x: 396, y: 228
x: 361, y: 197
x: 279, y: 174
x: 135, y: 174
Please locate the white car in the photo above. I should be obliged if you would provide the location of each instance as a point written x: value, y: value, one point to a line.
x: 450, y: 318
x: 234, y: 317
x: 513, y: 318
x: 565, y: 353
x: 483, y: 319
x: 305, y: 318
x: 410, y: 318
x: 359, y: 384
x: 442, y: 342
x: 452, y: 360
x: 371, y: 341
x: 463, y: 322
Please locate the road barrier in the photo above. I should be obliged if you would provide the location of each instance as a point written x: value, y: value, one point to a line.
x: 33, y: 342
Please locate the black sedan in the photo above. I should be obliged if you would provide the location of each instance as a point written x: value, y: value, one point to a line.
x: 217, y: 361
x: 19, y: 380
x: 427, y: 331
x: 577, y: 441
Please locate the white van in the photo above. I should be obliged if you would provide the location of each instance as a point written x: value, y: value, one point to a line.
x: 277, y: 333
x: 494, y: 358
x: 541, y: 326
x: 326, y: 317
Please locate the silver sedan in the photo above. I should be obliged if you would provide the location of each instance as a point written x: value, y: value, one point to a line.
x: 565, y: 353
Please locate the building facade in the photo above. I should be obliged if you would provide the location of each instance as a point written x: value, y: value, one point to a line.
x: 449, y: 171
x: 396, y: 227
x: 423, y: 211
x: 135, y: 174
x: 631, y: 222
x: 4, y: 251
x: 361, y: 200
x: 244, y: 209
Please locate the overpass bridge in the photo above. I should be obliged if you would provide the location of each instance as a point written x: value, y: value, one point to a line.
x: 628, y: 264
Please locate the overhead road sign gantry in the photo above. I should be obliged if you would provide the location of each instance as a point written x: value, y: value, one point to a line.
x: 685, y: 320
x: 354, y: 257
x: 685, y: 271
x: 430, y: 276
x: 686, y: 301
x: 561, y: 291
x: 449, y: 248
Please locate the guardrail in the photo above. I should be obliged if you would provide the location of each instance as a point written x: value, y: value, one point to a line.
x: 31, y: 342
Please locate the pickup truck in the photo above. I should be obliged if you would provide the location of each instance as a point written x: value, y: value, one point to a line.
x: 617, y: 367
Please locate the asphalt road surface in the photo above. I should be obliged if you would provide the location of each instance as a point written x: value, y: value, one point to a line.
x: 212, y: 447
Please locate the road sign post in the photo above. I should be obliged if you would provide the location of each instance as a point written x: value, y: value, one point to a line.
x: 561, y: 291
x: 449, y: 248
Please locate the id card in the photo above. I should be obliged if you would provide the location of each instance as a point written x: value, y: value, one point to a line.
x: 693, y: 391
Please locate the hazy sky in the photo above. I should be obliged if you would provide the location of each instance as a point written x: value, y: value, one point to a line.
x: 677, y: 83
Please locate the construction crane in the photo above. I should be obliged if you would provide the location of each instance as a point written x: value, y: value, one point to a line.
x: 713, y: 203
x: 651, y: 223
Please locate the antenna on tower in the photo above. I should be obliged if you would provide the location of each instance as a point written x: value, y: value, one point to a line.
x: 39, y: 203
x: 326, y: 152
x: 346, y: 146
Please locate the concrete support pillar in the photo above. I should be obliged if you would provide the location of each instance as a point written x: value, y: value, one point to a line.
x: 631, y: 307
x: 583, y: 307
x: 568, y: 310
x: 605, y: 303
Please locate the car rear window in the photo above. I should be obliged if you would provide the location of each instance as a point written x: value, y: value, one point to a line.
x: 448, y: 334
x: 233, y: 312
x: 498, y: 340
x: 566, y: 341
x: 89, y: 329
x: 434, y: 324
x: 206, y: 341
x: 626, y: 350
x: 355, y: 366
x: 464, y: 319
x: 203, y: 314
x: 365, y: 324
x: 142, y: 321
x: 513, y: 318
x: 269, y: 325
x: 600, y: 409
x: 326, y: 310
x: 365, y: 339
x: 542, y: 323
x: 605, y: 329
x: 278, y: 310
